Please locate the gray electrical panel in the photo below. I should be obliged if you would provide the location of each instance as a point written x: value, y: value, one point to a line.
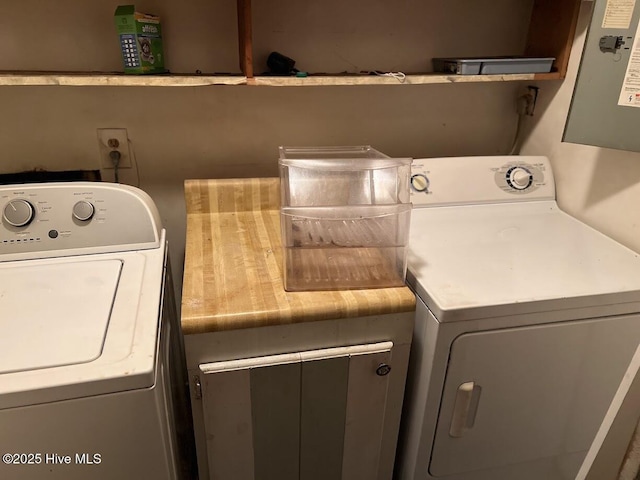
x: 605, y: 109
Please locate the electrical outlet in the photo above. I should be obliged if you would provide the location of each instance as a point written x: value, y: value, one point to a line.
x: 110, y: 139
x: 526, y: 101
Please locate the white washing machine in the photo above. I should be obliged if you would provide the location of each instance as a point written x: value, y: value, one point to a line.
x: 92, y: 377
x: 526, y: 322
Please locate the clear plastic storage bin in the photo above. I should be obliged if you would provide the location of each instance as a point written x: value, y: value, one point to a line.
x: 324, y: 176
x: 348, y: 247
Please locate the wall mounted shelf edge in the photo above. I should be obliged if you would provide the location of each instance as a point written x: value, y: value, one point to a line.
x: 114, y: 80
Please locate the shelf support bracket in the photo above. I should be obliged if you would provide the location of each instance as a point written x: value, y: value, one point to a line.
x: 244, y: 37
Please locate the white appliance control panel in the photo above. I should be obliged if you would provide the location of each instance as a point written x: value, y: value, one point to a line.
x: 520, y: 177
x: 58, y: 219
x: 474, y: 180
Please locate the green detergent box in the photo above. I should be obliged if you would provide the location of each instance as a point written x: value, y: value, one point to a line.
x: 140, y: 38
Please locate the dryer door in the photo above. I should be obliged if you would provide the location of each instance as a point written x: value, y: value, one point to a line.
x: 530, y: 394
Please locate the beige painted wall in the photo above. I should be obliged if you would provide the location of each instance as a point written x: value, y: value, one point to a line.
x: 210, y: 132
x: 216, y: 132
x: 599, y: 186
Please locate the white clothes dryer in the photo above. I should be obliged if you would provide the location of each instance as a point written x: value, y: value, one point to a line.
x: 526, y: 322
x: 92, y: 377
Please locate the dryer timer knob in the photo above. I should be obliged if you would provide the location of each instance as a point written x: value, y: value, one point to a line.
x: 520, y: 178
x: 83, y: 211
x: 419, y: 182
x: 18, y: 213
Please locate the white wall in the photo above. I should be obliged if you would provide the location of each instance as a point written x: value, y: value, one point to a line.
x: 599, y: 186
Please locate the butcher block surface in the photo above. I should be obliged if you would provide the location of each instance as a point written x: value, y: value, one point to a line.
x: 233, y: 265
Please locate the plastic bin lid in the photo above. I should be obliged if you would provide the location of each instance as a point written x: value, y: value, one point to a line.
x: 346, y: 164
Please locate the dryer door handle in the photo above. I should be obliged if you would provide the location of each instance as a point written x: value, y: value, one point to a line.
x: 465, y: 408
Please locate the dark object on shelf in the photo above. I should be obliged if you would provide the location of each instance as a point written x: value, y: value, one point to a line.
x: 493, y: 65
x: 42, y: 176
x: 281, y: 65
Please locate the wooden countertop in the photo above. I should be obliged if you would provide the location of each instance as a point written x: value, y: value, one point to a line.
x: 233, y: 265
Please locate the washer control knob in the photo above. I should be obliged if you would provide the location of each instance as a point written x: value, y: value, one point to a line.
x: 18, y: 213
x: 520, y: 178
x: 83, y: 211
x: 419, y: 182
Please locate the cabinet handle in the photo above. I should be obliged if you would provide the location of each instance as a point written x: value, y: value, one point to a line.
x: 383, y: 369
x: 465, y: 408
x: 197, y: 386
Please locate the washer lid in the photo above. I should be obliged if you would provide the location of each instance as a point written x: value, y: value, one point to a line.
x: 482, y: 261
x: 55, y: 314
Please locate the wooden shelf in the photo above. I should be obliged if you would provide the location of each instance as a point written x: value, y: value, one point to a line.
x: 551, y: 31
x: 119, y: 80
x: 116, y: 80
x: 419, y: 79
x: 550, y: 34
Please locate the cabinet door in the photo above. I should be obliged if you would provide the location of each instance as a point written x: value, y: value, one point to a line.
x: 307, y: 415
x: 527, y: 394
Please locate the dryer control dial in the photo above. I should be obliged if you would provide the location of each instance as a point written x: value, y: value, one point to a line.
x: 83, y: 210
x: 18, y: 213
x: 519, y: 178
x: 419, y: 182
